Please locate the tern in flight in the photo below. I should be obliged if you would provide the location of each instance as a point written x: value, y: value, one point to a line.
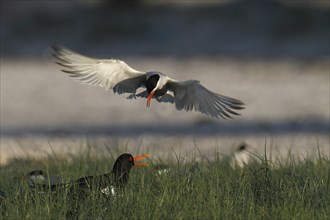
x: 117, y: 75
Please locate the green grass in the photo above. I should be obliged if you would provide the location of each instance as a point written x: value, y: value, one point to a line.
x: 296, y: 189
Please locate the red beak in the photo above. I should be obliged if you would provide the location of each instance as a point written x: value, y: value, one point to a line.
x: 149, y: 98
x: 137, y: 158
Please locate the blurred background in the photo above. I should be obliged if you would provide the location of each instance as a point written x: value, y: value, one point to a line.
x: 274, y: 56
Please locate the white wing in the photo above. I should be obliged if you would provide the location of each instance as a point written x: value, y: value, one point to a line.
x: 191, y: 95
x: 107, y: 73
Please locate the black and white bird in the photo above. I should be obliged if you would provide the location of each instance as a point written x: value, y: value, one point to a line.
x: 117, y: 75
x: 78, y: 190
x: 106, y: 184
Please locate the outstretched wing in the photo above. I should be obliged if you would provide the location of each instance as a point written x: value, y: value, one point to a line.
x: 191, y: 95
x: 107, y: 73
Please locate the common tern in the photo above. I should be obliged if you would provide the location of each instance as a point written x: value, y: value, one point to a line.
x: 117, y: 75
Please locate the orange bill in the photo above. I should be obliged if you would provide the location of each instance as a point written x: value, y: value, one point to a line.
x: 149, y: 98
x: 137, y: 158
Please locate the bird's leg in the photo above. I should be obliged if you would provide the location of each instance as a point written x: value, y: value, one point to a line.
x: 131, y: 96
x: 159, y: 98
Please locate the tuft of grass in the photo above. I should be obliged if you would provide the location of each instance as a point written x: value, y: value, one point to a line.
x: 200, y: 190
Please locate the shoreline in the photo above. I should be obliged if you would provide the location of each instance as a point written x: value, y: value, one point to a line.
x: 63, y: 146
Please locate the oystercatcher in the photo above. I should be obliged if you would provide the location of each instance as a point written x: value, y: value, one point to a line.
x: 78, y: 190
x: 105, y: 183
x: 117, y: 75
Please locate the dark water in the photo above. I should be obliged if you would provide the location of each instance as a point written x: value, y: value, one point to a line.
x: 257, y: 29
x: 196, y: 129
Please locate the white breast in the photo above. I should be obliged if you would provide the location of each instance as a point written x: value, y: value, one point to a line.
x: 109, y: 191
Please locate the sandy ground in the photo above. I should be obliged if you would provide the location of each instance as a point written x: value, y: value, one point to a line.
x: 187, y: 148
x: 36, y: 95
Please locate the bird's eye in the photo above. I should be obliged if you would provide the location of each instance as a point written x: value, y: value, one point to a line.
x: 130, y: 158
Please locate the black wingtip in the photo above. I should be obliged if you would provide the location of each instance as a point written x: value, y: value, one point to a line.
x: 237, y: 107
x: 69, y: 71
x: 56, y: 50
x: 56, y: 46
